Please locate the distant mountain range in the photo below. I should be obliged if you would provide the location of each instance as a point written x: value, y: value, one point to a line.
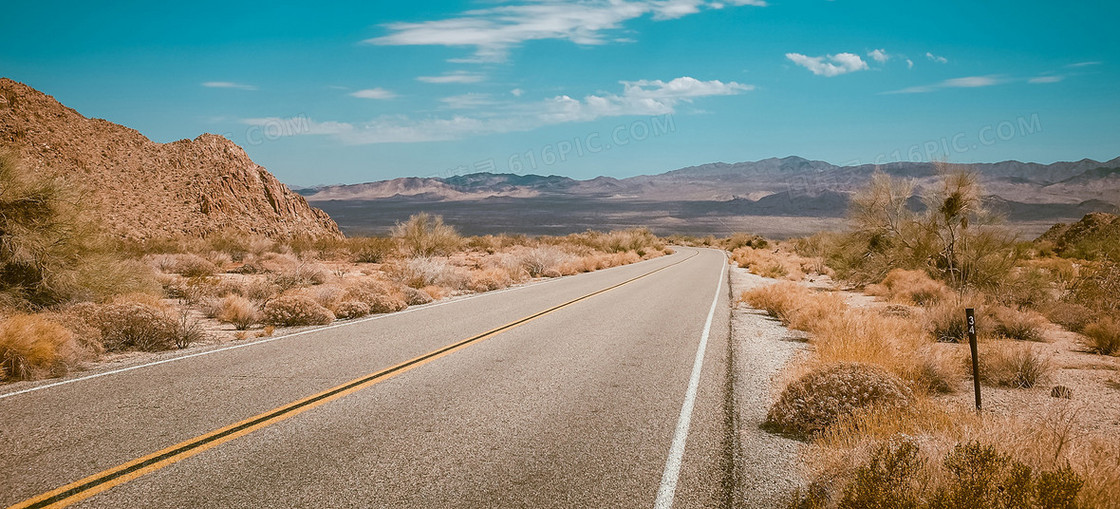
x: 720, y: 195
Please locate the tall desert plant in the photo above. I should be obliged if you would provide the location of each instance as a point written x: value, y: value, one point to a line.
x: 426, y: 235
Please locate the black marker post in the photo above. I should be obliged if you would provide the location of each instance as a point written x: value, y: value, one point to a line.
x: 970, y: 315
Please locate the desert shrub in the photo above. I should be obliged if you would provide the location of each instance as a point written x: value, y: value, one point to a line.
x: 955, y: 237
x: 891, y: 479
x: 239, y: 311
x: 351, y: 309
x: 422, y: 272
x: 415, y: 297
x: 294, y: 310
x: 1018, y: 325
x: 738, y: 240
x: 1006, y: 364
x: 1103, y: 335
x: 947, y: 324
x: 192, y: 265
x: 982, y: 477
x: 386, y: 303
x: 542, y: 259
x: 1025, y: 287
x: 136, y: 323
x: 46, y: 243
x: 32, y: 346
x: 775, y: 264
x: 816, y: 400
x: 1072, y: 316
x: 425, y: 235
x: 489, y: 279
x: 1098, y: 287
x: 300, y: 276
x: 371, y: 249
x: 911, y: 287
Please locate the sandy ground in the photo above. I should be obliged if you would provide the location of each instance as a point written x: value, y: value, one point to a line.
x: 761, y: 349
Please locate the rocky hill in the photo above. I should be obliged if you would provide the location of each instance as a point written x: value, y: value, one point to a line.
x: 144, y: 189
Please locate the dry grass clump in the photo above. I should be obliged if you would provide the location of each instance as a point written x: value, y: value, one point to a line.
x: 239, y: 311
x: 946, y: 322
x: 961, y: 459
x: 911, y: 287
x: 1015, y: 365
x: 32, y: 346
x: 1070, y: 315
x: 974, y: 475
x: 301, y: 275
x: 773, y: 263
x: 1103, y: 335
x: 183, y: 264
x: 817, y: 399
x: 1019, y: 325
x: 796, y: 306
x: 489, y: 279
x: 294, y: 310
x: 541, y: 260
x: 422, y: 272
x: 351, y: 309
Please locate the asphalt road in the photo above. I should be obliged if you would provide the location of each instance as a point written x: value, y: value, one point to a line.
x: 575, y: 408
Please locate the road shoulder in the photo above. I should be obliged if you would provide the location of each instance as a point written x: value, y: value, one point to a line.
x: 761, y: 347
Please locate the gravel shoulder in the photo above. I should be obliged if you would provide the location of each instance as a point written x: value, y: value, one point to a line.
x: 761, y: 347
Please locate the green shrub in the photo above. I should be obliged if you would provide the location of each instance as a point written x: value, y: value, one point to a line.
x: 371, y: 249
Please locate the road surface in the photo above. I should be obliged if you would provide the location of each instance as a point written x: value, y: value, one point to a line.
x: 607, y: 389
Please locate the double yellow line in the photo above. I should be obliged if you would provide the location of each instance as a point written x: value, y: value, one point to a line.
x: 106, y: 479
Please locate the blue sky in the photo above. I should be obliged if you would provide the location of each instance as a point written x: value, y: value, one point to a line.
x: 341, y: 92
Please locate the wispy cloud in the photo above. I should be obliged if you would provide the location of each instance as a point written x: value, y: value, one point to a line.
x: 909, y: 64
x: 638, y: 98
x: 468, y: 101
x: 936, y: 58
x: 493, y: 31
x: 228, y: 84
x: 374, y: 93
x: 1046, y: 79
x: 453, y: 77
x: 879, y: 55
x: 1085, y: 64
x: 966, y: 82
x: 829, y: 65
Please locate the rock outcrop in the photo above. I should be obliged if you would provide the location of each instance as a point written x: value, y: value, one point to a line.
x: 143, y: 189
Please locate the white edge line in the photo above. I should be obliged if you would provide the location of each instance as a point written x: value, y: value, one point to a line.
x: 294, y: 334
x: 672, y: 471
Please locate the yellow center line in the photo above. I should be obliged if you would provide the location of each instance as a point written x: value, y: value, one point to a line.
x: 120, y: 474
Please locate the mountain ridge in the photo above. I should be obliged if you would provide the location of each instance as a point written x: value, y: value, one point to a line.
x: 143, y: 189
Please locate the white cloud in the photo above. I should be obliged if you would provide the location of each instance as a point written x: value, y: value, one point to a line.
x: 373, y: 93
x: 1046, y: 79
x: 638, y: 98
x: 829, y: 65
x: 1084, y: 64
x: 909, y: 64
x: 467, y: 101
x: 935, y: 58
x: 879, y: 55
x: 517, y: 92
x: 228, y: 84
x: 966, y: 82
x: 493, y: 31
x: 453, y: 77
